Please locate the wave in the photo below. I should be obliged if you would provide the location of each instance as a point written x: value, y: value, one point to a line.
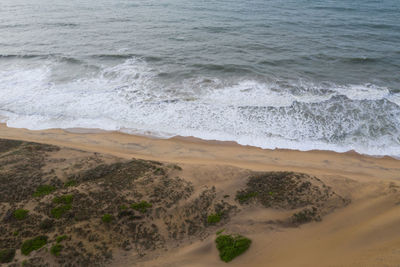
x: 339, y: 9
x: 131, y: 97
x: 81, y: 59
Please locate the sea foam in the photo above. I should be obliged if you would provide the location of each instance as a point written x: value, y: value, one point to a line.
x: 270, y: 114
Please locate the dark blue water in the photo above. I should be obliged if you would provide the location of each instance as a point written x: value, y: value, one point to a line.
x: 300, y: 74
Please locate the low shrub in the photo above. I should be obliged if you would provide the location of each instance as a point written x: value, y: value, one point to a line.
x: 176, y: 167
x: 245, y: 197
x: 43, y: 190
x: 46, y: 224
x: 20, y: 214
x: 7, y: 255
x: 70, y: 183
x: 141, y: 206
x: 57, y: 212
x: 220, y: 231
x: 61, y: 238
x: 305, y: 216
x: 230, y: 247
x: 107, y: 218
x: 65, y: 199
x: 214, y: 218
x: 123, y: 207
x: 56, y: 249
x: 33, y: 244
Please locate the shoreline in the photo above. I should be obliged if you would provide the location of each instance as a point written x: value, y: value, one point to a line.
x: 193, y: 139
x: 194, y: 150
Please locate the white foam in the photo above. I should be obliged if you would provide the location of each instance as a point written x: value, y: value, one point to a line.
x: 363, y: 92
x: 127, y: 97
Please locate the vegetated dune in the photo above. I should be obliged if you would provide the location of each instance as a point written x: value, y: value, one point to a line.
x: 63, y: 206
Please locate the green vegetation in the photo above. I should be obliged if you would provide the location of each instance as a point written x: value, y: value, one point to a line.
x: 244, y: 197
x: 20, y: 214
x: 61, y: 238
x: 33, y: 244
x: 107, y: 218
x: 57, y: 212
x: 214, y: 218
x: 43, y: 190
x: 56, y: 249
x: 220, y: 231
x: 65, y: 199
x: 15, y: 233
x: 70, y: 183
x: 230, y: 247
x: 7, y: 255
x: 123, y: 207
x: 141, y: 206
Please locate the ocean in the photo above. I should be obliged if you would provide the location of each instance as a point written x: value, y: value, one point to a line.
x: 295, y: 74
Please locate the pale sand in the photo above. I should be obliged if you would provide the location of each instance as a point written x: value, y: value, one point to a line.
x: 364, y: 233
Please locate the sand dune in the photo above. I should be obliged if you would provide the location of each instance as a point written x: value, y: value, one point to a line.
x: 361, y: 232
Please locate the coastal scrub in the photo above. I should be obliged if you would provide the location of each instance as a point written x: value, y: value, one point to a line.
x: 33, y: 244
x: 57, y: 212
x: 107, y: 218
x: 20, y: 214
x: 7, y: 255
x: 214, y: 218
x: 141, y: 206
x: 56, y: 249
x: 43, y: 190
x: 230, y: 246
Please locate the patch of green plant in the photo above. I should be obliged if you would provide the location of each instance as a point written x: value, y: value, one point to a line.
x: 123, y: 207
x: 56, y: 249
x: 141, y: 206
x: 43, y: 190
x: 33, y: 244
x: 214, y: 218
x: 70, y: 183
x: 15, y: 233
x: 65, y: 199
x: 7, y: 255
x: 20, y: 214
x: 245, y: 197
x: 220, y: 231
x: 230, y: 246
x: 107, y: 218
x: 57, y: 212
x: 61, y: 238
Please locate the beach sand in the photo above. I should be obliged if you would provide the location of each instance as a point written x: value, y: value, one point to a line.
x: 363, y: 232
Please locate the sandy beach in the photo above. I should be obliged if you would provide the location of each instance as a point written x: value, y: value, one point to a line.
x: 363, y: 232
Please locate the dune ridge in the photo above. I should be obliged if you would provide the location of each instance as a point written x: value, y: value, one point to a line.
x: 356, y: 199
